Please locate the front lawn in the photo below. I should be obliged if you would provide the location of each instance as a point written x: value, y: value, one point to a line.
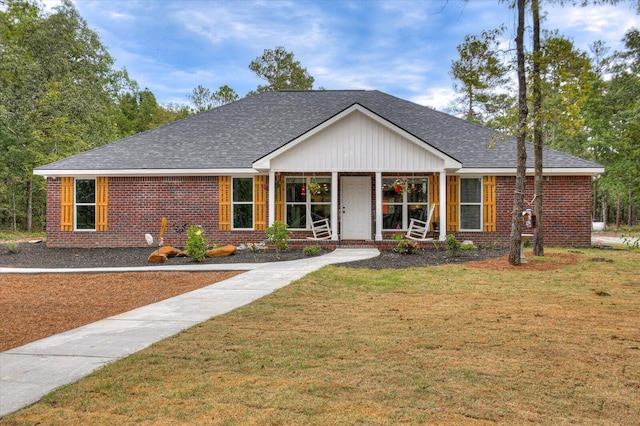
x: 458, y: 344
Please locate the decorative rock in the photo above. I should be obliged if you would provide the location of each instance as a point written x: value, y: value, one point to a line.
x: 182, y: 253
x: 169, y: 251
x: 156, y: 257
x: 222, y: 251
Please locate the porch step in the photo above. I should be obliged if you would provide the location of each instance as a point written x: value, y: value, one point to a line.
x: 357, y: 244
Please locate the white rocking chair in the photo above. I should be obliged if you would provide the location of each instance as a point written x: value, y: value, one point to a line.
x: 418, y: 229
x: 321, y: 230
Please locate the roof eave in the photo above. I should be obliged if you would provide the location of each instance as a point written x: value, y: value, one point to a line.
x: 144, y: 172
x: 548, y: 171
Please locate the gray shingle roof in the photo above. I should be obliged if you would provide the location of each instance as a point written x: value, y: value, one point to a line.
x: 237, y: 134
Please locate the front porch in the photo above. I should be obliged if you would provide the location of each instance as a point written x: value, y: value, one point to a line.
x: 357, y: 154
x: 362, y: 208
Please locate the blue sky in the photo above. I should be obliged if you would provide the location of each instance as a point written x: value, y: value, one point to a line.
x: 404, y: 48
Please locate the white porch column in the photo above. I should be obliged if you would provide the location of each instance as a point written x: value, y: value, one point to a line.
x: 443, y: 205
x: 378, y: 236
x: 271, y: 213
x: 334, y: 206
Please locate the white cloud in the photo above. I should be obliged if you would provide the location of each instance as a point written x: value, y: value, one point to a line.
x: 591, y: 23
x: 436, y: 97
x: 403, y: 47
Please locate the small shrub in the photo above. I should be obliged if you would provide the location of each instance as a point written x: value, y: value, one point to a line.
x: 453, y: 246
x: 312, y: 250
x: 278, y: 234
x: 196, y: 243
x: 10, y: 248
x: 467, y: 247
x: 632, y: 242
x: 407, y: 247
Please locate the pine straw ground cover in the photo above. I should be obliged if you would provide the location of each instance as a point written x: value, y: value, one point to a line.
x: 41, y: 305
x: 554, y: 342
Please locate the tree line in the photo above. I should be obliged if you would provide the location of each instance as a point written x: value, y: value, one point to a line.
x: 60, y: 94
x: 589, y: 105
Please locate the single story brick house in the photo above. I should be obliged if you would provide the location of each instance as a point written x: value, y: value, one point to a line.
x: 296, y: 156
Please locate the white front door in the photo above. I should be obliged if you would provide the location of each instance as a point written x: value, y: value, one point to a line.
x: 355, y: 208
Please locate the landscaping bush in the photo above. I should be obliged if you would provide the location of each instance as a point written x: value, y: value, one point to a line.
x: 453, y: 246
x: 196, y: 243
x: 278, y: 234
x: 312, y: 250
x: 10, y: 248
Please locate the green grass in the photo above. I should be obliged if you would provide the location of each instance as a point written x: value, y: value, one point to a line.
x: 443, y: 345
x: 6, y: 235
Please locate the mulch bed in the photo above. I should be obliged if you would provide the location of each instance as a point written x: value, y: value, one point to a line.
x: 38, y: 255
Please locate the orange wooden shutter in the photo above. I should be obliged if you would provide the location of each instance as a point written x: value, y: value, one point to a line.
x: 434, y: 196
x: 490, y: 223
x: 453, y: 203
x: 224, y: 203
x: 260, y: 202
x: 102, y: 203
x: 66, y: 204
x: 280, y: 182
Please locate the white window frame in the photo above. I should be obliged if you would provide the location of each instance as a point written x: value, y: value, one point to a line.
x: 405, y: 201
x: 308, y: 201
x: 76, y: 204
x: 244, y: 203
x: 480, y: 203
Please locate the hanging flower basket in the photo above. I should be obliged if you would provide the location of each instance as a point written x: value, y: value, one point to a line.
x: 400, y: 186
x: 315, y: 188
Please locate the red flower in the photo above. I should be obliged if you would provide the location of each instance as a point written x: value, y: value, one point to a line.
x: 398, y: 188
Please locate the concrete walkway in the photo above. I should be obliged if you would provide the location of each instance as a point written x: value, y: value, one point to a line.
x: 29, y: 372
x: 605, y: 240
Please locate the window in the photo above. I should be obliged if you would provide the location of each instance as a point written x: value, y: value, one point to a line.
x: 85, y: 204
x: 399, y: 208
x: 317, y: 200
x: 242, y: 203
x: 471, y: 204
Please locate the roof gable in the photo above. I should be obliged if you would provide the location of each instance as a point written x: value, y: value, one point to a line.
x: 356, y: 139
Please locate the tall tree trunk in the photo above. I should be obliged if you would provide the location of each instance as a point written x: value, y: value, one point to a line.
x: 15, y: 211
x: 594, y: 208
x: 29, y: 203
x: 518, y: 198
x: 538, y: 142
x: 618, y: 211
x: 630, y: 216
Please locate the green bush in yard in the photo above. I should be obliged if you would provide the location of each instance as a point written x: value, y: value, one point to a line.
x: 313, y: 250
x: 196, y: 246
x: 453, y: 246
x: 278, y: 234
x: 10, y: 248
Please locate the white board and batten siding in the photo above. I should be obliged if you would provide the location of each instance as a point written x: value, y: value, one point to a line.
x: 358, y: 143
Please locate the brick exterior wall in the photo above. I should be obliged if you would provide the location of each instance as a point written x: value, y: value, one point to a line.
x: 567, y: 214
x: 137, y: 205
